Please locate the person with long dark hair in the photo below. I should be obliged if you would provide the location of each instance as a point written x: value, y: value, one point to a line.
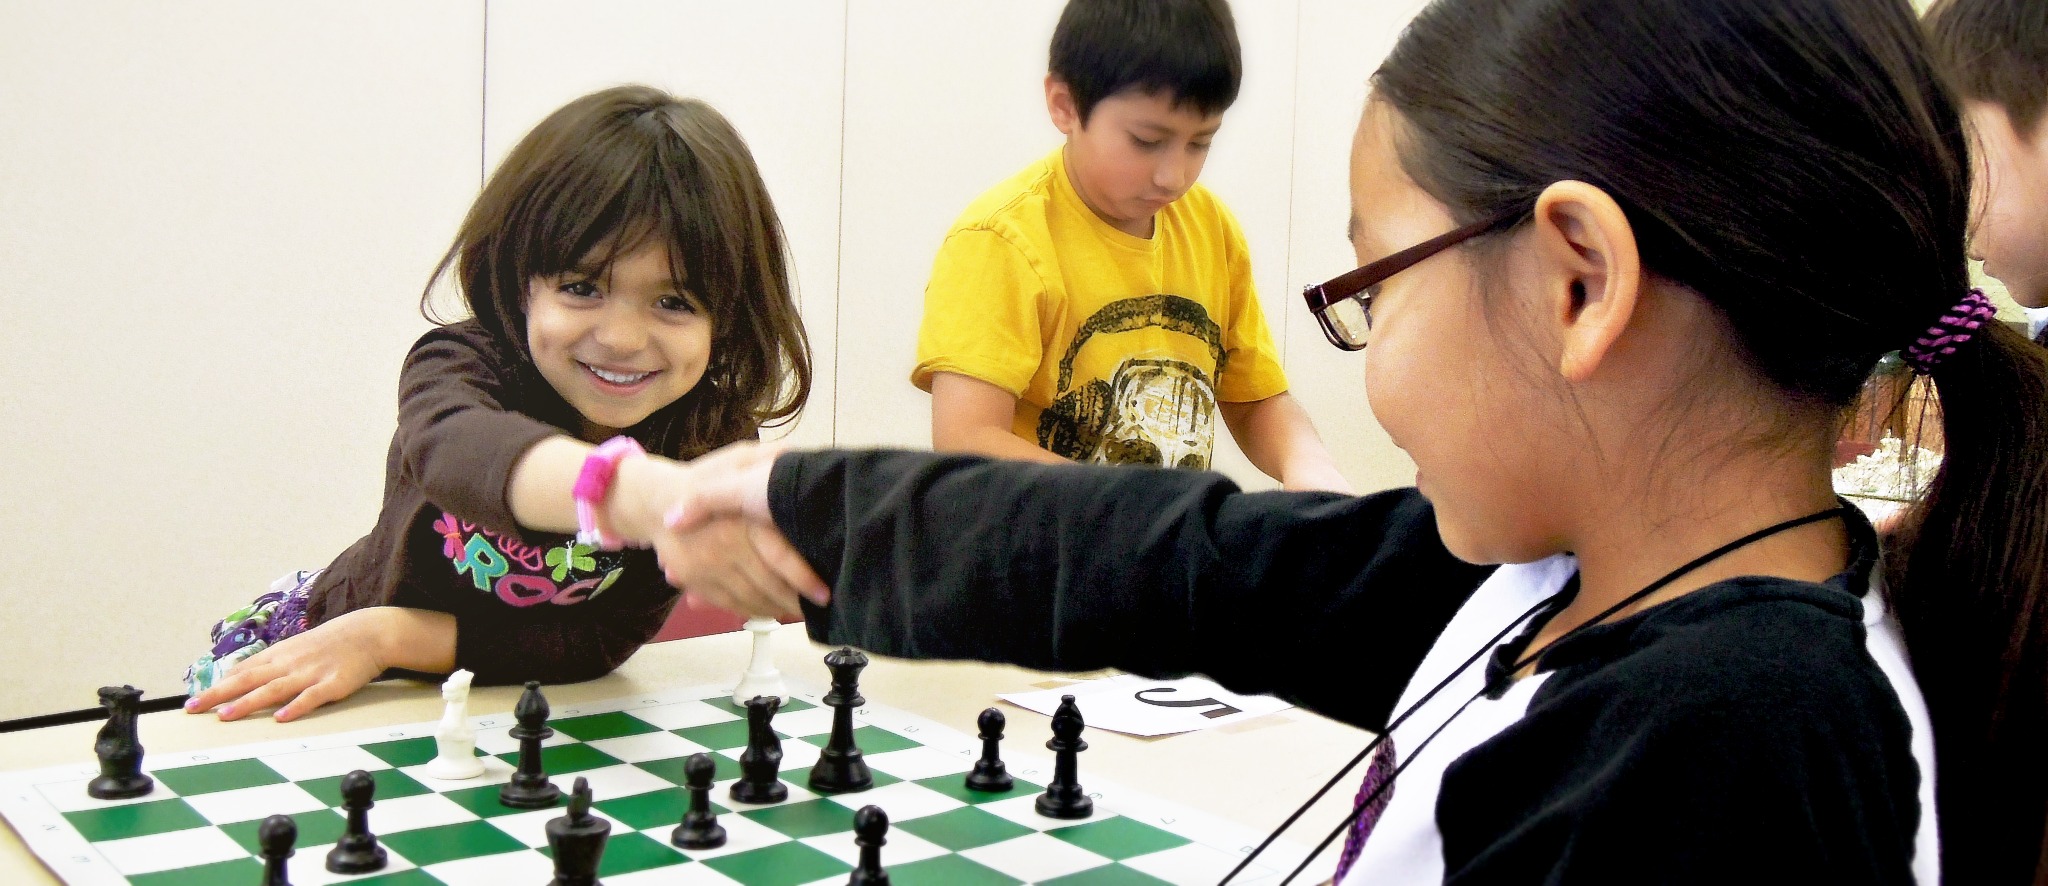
x: 630, y: 306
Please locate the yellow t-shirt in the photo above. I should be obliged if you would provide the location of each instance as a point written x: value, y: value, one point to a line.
x: 1117, y: 347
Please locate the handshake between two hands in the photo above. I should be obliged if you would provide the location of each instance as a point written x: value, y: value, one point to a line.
x: 719, y: 545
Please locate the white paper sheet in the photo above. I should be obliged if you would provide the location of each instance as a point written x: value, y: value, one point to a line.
x: 1137, y: 705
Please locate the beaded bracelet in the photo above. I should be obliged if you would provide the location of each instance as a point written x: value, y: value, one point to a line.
x: 593, y: 483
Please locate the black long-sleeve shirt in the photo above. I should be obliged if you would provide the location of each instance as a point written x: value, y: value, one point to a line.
x: 1756, y: 730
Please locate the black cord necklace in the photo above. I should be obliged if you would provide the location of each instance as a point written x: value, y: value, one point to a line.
x: 1511, y: 669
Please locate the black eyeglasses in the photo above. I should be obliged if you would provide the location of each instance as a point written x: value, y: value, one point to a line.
x: 1343, y: 305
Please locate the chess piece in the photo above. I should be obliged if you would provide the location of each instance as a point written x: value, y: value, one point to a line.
x: 454, y: 741
x: 989, y: 772
x: 577, y: 840
x: 700, y: 829
x: 529, y: 787
x: 357, y: 851
x: 275, y: 836
x: 761, y: 677
x: 762, y: 759
x: 119, y: 749
x: 870, y: 827
x: 841, y: 768
x: 1063, y: 798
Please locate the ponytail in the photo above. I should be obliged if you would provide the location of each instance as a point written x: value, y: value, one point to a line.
x: 1968, y: 572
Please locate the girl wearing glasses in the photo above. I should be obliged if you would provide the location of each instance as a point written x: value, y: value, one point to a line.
x: 1622, y: 630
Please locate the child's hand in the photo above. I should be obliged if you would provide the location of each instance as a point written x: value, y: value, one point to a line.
x: 739, y: 566
x: 721, y: 547
x: 325, y: 664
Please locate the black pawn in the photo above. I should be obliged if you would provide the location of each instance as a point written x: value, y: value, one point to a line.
x: 118, y: 748
x: 577, y: 840
x: 870, y: 827
x: 700, y: 829
x: 989, y: 772
x: 529, y: 787
x: 275, y: 836
x: 1064, y: 798
x: 357, y: 852
x: 841, y: 768
x: 762, y: 760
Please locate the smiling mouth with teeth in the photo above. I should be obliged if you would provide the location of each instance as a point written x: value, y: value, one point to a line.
x: 617, y: 378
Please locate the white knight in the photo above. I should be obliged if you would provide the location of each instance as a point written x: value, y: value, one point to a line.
x: 454, y: 741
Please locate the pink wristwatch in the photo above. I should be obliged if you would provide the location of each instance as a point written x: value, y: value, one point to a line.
x: 593, y: 483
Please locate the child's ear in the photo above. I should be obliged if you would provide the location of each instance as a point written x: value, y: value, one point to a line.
x: 1590, y: 271
x: 1059, y: 102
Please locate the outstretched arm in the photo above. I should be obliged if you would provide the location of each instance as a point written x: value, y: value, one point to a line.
x: 1324, y: 600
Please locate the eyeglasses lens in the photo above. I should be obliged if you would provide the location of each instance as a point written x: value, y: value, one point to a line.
x: 1347, y: 318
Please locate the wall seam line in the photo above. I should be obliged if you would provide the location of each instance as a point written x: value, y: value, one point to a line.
x: 483, y: 99
x: 1293, y: 152
x: 839, y: 246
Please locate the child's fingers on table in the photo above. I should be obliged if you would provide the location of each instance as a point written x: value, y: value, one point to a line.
x: 228, y: 689
x: 272, y: 688
x: 239, y: 680
x: 322, y: 661
x: 296, y: 690
x: 333, y: 688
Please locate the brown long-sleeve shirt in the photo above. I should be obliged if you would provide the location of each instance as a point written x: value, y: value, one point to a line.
x: 528, y: 605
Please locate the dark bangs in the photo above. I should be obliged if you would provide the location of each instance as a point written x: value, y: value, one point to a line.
x: 633, y: 184
x: 1184, y: 49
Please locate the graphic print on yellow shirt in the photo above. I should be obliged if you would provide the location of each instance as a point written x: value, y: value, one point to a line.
x: 1118, y: 348
x: 1151, y: 409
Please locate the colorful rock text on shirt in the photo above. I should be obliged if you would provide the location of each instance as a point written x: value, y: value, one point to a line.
x: 523, y: 575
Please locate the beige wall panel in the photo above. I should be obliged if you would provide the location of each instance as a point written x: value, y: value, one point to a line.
x: 1341, y: 43
x: 217, y: 217
x: 943, y: 100
x: 1249, y: 167
x: 772, y: 68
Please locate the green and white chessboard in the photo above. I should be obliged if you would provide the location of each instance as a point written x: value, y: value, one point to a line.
x: 199, y: 825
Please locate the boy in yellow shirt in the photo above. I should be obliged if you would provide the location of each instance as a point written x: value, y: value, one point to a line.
x: 1996, y: 54
x: 1099, y: 306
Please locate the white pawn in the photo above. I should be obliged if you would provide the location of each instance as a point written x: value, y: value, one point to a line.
x: 761, y: 677
x: 454, y: 742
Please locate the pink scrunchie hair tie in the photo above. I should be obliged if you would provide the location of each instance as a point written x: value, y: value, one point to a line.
x: 1957, y: 326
